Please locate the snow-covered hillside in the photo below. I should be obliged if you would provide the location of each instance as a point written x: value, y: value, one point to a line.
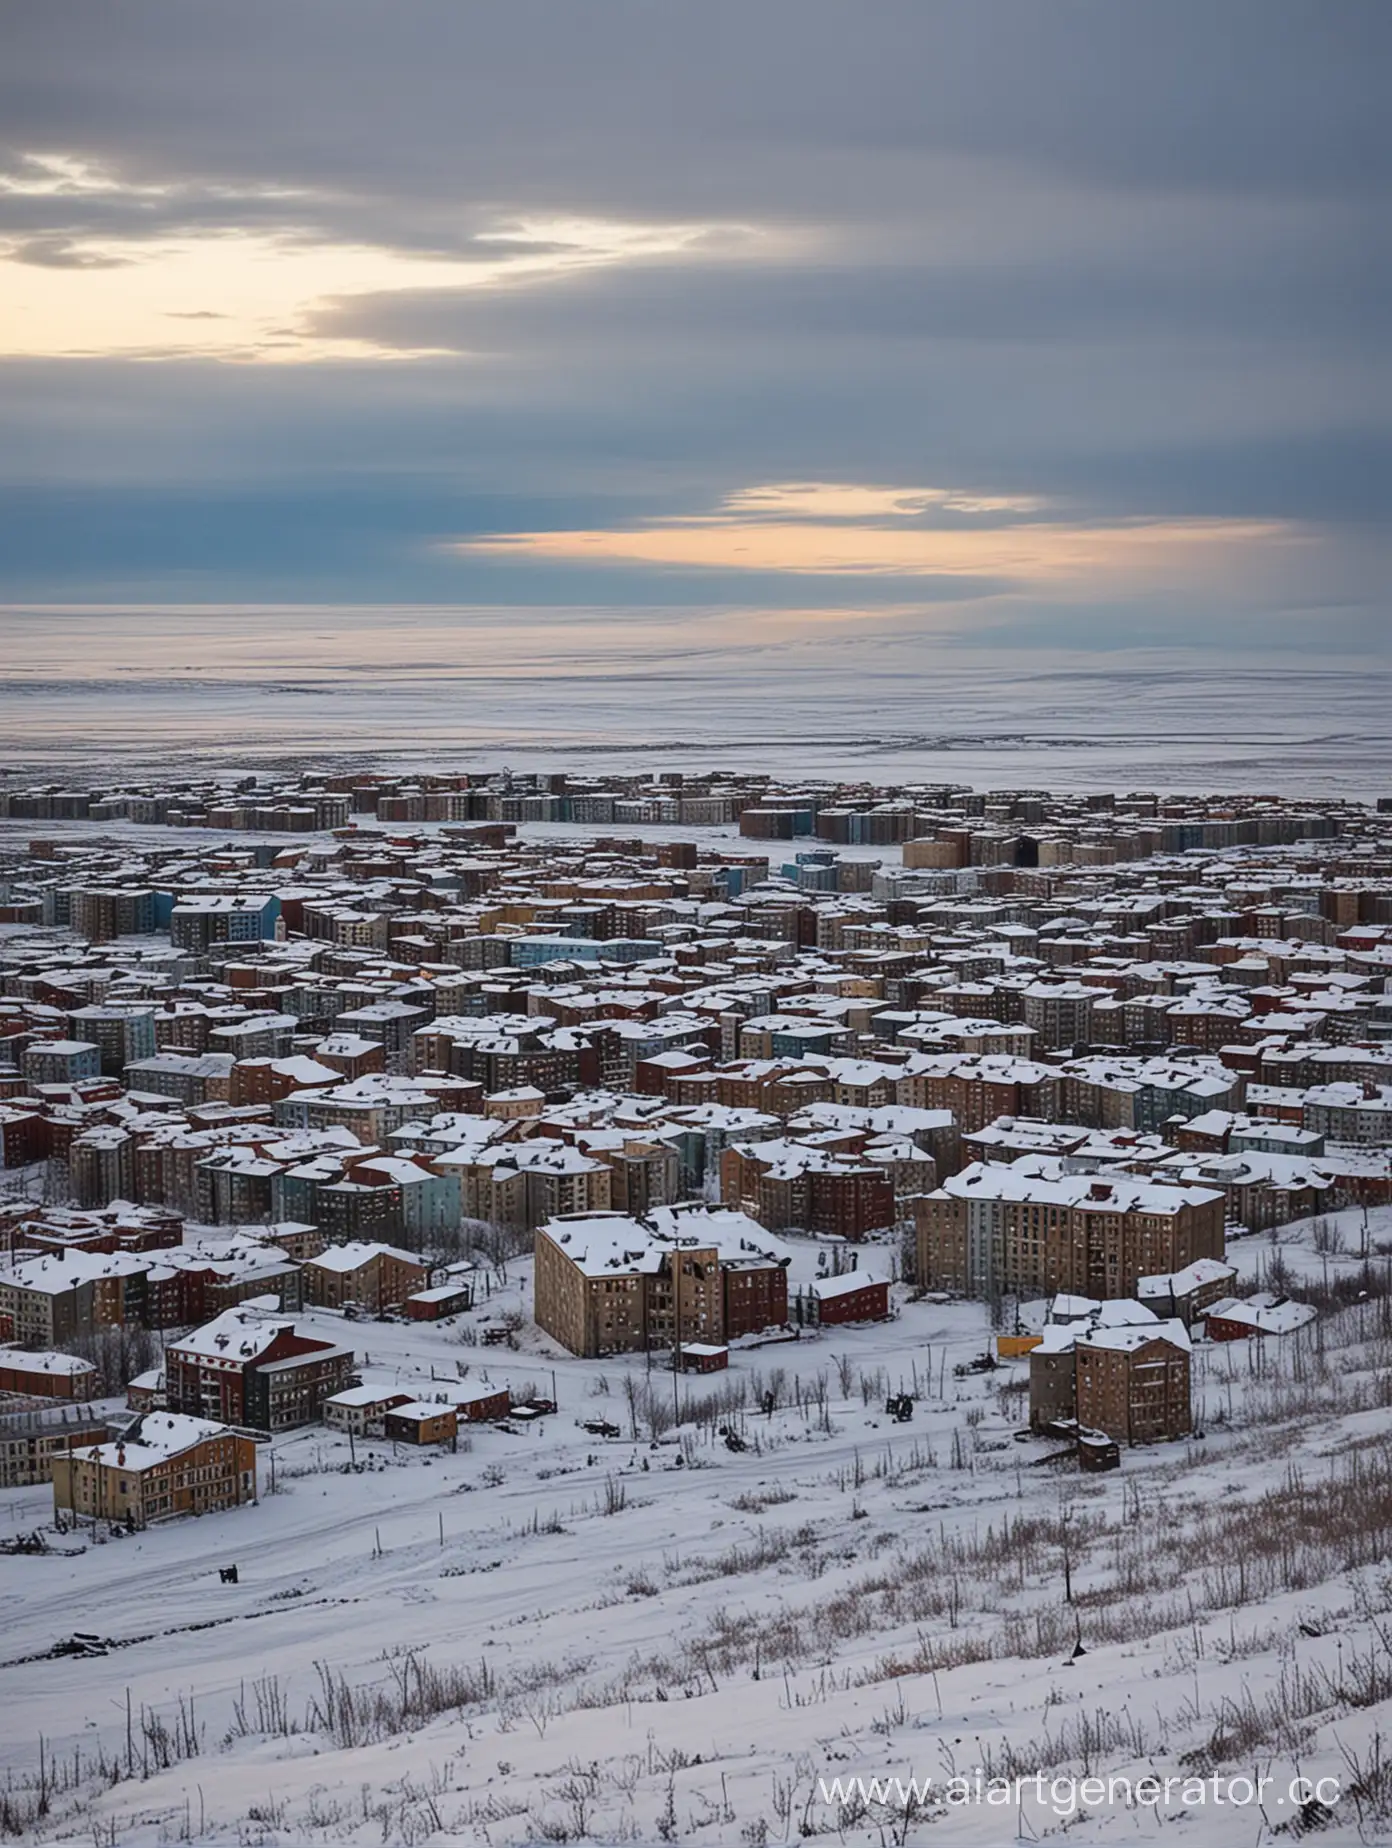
x: 553, y: 1635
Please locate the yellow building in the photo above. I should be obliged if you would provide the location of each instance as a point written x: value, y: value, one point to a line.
x: 167, y: 1464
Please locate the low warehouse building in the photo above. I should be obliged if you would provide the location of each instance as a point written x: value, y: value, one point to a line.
x: 480, y: 1404
x: 852, y: 1297
x: 418, y: 1422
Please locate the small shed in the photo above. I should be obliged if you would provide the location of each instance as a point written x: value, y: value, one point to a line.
x: 1097, y: 1451
x: 480, y: 1403
x: 704, y: 1357
x: 420, y: 1422
x: 442, y: 1299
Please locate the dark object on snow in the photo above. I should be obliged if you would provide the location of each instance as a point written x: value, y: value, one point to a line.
x: 1097, y: 1451
x: 82, y: 1643
x: 228, y: 1574
x: 1314, y: 1815
x: 601, y: 1427
x: 899, y: 1407
x: 26, y: 1543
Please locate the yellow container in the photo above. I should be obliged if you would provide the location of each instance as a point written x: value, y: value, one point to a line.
x: 1011, y: 1347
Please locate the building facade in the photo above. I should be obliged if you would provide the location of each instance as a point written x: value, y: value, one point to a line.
x: 1030, y: 1229
x: 166, y: 1465
x: 244, y: 1369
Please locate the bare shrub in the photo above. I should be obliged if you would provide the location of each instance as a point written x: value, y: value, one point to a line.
x: 756, y: 1501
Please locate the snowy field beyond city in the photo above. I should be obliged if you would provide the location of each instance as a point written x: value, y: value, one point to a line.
x: 555, y: 1635
x: 620, y: 692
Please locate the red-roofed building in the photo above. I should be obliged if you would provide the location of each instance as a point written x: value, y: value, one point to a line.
x: 245, y: 1368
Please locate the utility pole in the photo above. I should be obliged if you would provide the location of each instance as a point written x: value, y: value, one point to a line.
x: 676, y: 1338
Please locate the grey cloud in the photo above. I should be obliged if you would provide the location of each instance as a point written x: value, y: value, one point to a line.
x: 1131, y: 259
x: 1260, y: 95
x: 1328, y: 286
x: 59, y: 252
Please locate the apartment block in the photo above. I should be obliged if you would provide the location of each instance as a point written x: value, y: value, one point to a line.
x: 1029, y: 1228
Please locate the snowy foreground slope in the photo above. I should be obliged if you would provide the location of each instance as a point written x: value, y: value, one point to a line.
x: 553, y: 1636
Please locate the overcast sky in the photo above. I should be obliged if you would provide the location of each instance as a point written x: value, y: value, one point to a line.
x: 1055, y: 323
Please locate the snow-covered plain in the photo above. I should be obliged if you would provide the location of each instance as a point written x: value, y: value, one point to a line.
x: 630, y: 690
x: 639, y: 1641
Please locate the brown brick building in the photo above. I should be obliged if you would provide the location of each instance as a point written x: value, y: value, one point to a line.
x: 798, y: 1186
x: 1130, y: 1381
x: 978, y: 1088
x: 1133, y: 1383
x: 608, y: 1284
x: 372, y: 1277
x: 1028, y: 1228
x: 756, y: 1296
